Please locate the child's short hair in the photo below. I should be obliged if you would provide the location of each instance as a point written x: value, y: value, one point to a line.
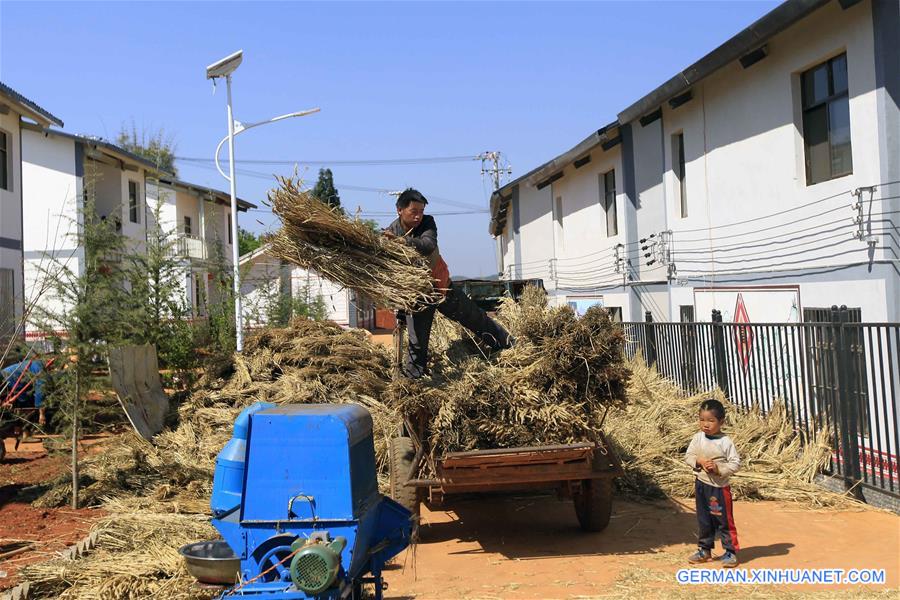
x: 713, y: 406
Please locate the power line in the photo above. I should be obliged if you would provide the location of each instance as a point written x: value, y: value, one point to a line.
x: 769, y: 257
x: 359, y: 188
x: 772, y: 240
x: 343, y: 163
x: 799, y: 261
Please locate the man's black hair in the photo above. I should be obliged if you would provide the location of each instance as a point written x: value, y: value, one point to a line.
x: 713, y: 406
x: 410, y: 195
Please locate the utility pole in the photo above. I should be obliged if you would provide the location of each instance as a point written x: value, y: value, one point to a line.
x: 492, y: 164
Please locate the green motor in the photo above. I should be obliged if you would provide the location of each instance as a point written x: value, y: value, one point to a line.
x: 316, y: 565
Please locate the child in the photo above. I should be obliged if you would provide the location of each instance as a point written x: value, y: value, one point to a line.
x: 714, y: 459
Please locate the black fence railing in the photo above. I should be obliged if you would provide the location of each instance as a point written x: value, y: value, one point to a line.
x: 838, y: 375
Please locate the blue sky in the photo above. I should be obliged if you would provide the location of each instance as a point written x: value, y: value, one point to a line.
x: 393, y: 80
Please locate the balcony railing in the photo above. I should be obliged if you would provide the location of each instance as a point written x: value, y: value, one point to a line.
x: 189, y: 246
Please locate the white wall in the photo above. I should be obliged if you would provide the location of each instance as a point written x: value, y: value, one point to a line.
x: 11, y: 214
x: 11, y: 199
x: 264, y: 276
x: 743, y: 142
x: 336, y: 298
x: 52, y: 201
x: 584, y: 252
x: 217, y: 228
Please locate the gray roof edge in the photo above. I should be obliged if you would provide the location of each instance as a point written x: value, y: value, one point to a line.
x: 33, y: 107
x: 253, y: 255
x: 174, y: 181
x: 560, y: 161
x: 548, y: 168
x: 97, y: 142
x: 751, y: 37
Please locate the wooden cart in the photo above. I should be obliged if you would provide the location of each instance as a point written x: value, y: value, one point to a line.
x: 583, y: 472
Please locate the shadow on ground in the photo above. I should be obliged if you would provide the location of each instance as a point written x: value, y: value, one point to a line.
x: 533, y: 527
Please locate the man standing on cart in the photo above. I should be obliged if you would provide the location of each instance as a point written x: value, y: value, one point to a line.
x: 414, y: 228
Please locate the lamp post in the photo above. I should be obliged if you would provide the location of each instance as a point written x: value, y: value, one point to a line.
x: 224, y: 68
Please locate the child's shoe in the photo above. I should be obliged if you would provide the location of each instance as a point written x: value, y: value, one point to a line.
x: 729, y: 560
x: 700, y: 556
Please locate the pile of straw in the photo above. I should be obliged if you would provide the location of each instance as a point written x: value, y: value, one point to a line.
x: 136, y: 557
x: 307, y: 362
x: 318, y: 237
x: 652, y: 431
x: 552, y: 387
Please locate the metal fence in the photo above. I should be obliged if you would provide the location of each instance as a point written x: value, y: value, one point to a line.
x: 833, y: 374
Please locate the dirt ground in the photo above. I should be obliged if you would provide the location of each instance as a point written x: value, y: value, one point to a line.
x: 518, y: 548
x: 531, y: 547
x: 28, y: 534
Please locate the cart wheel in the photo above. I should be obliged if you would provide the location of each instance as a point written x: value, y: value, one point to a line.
x: 402, y: 455
x: 593, y: 504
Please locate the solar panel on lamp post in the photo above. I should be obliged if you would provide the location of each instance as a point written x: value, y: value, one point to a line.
x: 224, y: 68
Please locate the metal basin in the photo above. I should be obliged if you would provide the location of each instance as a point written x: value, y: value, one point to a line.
x: 211, y: 561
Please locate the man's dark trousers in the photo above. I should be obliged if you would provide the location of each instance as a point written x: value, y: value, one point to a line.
x: 714, y: 516
x: 457, y: 306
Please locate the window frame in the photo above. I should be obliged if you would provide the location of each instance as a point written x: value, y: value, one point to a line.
x: 134, y: 202
x: 228, y: 226
x: 807, y: 106
x: 608, y: 202
x: 187, y: 227
x: 6, y: 163
x: 679, y: 171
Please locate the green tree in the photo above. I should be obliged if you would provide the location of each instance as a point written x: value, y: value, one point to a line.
x: 89, y: 303
x: 324, y: 189
x: 159, y: 307
x: 220, y: 330
x: 247, y: 241
x: 155, y: 147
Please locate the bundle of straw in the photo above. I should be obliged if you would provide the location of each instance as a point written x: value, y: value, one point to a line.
x: 652, y: 431
x: 318, y: 237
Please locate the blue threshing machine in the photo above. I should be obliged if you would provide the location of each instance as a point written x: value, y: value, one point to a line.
x: 295, y: 496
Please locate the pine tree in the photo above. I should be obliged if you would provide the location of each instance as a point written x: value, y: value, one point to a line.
x: 87, y: 313
x: 155, y: 147
x: 158, y: 302
x: 324, y: 189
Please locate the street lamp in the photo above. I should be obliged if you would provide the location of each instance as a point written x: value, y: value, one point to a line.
x: 224, y: 68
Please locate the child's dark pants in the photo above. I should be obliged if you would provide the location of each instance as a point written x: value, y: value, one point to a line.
x: 714, y: 516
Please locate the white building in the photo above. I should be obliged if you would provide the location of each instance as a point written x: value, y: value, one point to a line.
x: 13, y: 108
x: 200, y: 217
x: 264, y: 278
x: 57, y: 166
x: 770, y: 168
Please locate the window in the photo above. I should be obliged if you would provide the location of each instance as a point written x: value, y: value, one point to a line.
x: 615, y: 313
x: 826, y: 121
x: 5, y: 163
x: 608, y: 200
x: 187, y: 226
x: 559, y: 218
x: 134, y: 202
x: 230, y: 241
x: 678, y: 169
x: 687, y: 313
